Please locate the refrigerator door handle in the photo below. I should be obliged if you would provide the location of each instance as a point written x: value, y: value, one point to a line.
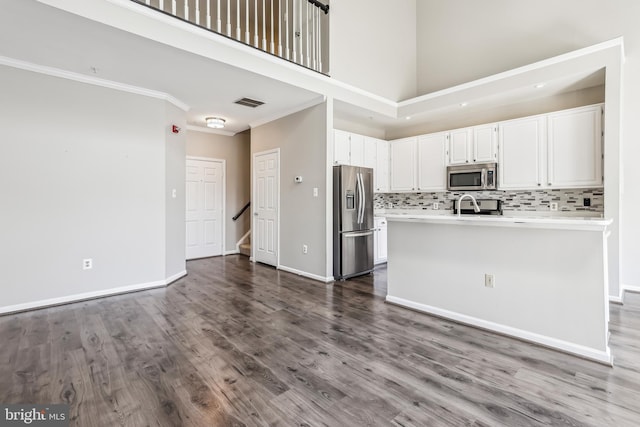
x: 360, y: 195
x: 364, y: 233
x: 364, y: 198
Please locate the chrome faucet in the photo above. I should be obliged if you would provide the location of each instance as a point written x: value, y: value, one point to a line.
x: 476, y: 208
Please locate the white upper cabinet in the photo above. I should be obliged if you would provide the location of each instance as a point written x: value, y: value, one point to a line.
x: 460, y: 146
x: 381, y: 171
x: 370, y: 152
x: 556, y: 150
x: 522, y: 143
x: 341, y: 147
x: 357, y: 149
x: 474, y: 144
x: 574, y: 139
x: 403, y: 164
x: 485, y: 141
x: 432, y: 162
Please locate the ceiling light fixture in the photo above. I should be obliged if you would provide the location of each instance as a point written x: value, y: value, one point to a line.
x: 215, y: 122
x: 540, y: 85
x: 408, y: 117
x: 463, y: 104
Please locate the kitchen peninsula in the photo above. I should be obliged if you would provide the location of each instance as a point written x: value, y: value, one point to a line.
x: 541, y: 279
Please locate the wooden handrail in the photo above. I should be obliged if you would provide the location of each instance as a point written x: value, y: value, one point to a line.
x: 241, y: 211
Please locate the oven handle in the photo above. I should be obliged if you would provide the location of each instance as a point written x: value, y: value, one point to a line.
x: 483, y: 179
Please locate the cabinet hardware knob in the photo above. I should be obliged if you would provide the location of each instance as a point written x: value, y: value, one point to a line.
x: 539, y: 184
x: 549, y: 183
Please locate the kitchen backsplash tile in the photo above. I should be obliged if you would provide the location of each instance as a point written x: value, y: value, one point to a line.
x: 570, y: 200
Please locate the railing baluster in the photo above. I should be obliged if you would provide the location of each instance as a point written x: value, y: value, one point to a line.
x: 264, y: 26
x: 286, y: 28
x: 307, y: 36
x: 186, y: 10
x: 197, y: 12
x: 247, y: 35
x: 293, y: 27
x: 272, y: 45
x: 313, y: 37
x: 209, y: 14
x: 256, y: 37
x: 161, y: 5
x: 319, y: 41
x: 299, y: 34
x: 174, y: 7
x: 219, y: 21
x: 280, y: 28
x: 228, y: 18
x: 238, y: 31
x: 148, y: 2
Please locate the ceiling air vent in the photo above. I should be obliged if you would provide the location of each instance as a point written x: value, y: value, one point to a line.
x: 248, y: 102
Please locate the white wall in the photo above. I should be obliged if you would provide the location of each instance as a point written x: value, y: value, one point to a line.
x: 82, y: 173
x: 175, y: 173
x: 236, y: 150
x: 463, y: 40
x: 302, y: 139
x: 373, y: 46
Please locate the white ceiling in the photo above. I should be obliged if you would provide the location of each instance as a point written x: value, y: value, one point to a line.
x: 33, y: 32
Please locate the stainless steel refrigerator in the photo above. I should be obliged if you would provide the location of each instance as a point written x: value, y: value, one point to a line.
x: 352, y: 221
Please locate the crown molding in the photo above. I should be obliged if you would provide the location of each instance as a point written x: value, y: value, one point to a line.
x: 96, y: 81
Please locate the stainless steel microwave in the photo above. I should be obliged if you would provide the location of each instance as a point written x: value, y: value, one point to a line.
x: 472, y: 176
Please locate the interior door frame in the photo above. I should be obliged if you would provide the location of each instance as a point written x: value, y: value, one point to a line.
x: 253, y: 198
x: 224, y: 194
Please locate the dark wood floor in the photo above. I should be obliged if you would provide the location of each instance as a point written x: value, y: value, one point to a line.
x: 240, y: 344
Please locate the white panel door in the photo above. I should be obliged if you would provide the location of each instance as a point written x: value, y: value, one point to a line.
x: 575, y: 148
x: 522, y: 150
x: 403, y: 164
x: 204, y: 204
x: 382, y: 166
x: 459, y: 146
x: 357, y: 149
x: 266, y: 172
x: 484, y: 143
x: 432, y: 161
x: 341, y: 148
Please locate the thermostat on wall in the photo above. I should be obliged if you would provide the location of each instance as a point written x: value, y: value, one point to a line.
x: 298, y: 178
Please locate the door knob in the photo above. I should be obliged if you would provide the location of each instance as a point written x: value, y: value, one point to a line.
x: 255, y: 214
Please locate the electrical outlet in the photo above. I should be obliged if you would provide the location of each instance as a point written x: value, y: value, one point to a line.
x: 389, y: 205
x: 305, y: 249
x: 553, y: 206
x: 436, y: 206
x: 315, y: 191
x: 586, y: 201
x: 489, y: 280
x: 87, y: 264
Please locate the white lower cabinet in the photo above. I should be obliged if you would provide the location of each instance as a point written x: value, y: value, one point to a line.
x: 380, y: 240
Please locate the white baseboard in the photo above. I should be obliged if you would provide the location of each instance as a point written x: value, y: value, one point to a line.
x: 617, y: 299
x: 305, y: 274
x: 34, y: 305
x: 233, y: 252
x: 169, y: 280
x: 567, y: 347
x: 629, y: 288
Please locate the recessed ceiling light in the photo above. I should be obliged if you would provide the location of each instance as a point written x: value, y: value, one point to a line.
x: 540, y: 85
x: 408, y: 117
x: 215, y: 122
x: 463, y: 104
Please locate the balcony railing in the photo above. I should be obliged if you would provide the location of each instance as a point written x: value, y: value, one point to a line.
x: 295, y: 30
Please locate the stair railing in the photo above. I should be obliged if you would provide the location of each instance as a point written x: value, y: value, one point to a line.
x: 236, y: 216
x: 296, y: 36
